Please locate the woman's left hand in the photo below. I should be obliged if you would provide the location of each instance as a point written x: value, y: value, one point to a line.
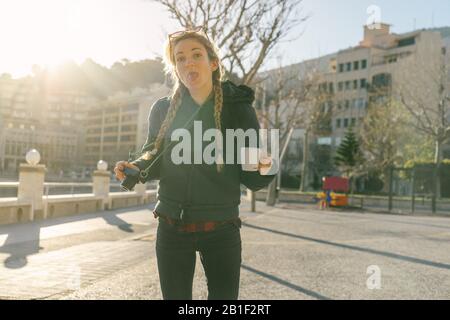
x: 266, y: 165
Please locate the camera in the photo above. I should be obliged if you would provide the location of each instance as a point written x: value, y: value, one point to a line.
x: 131, y: 179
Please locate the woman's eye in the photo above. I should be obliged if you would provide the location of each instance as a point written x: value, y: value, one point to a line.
x: 180, y: 59
x: 197, y: 55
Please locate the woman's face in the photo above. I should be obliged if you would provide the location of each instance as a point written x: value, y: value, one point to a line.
x: 192, y: 64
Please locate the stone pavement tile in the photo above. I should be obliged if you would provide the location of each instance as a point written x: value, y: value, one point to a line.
x: 287, y: 254
x: 67, y: 269
x: 308, y: 254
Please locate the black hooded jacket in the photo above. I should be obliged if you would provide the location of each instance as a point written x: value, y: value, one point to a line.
x: 198, y: 192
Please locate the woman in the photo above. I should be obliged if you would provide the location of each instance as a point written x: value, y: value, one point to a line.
x: 198, y: 204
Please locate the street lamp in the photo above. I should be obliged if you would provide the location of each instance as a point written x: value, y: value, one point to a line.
x: 33, y: 157
x: 102, y: 165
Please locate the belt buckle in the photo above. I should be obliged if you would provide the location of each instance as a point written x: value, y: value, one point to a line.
x: 209, y: 226
x: 190, y: 227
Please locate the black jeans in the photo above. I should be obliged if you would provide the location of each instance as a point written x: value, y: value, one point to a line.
x: 220, y: 254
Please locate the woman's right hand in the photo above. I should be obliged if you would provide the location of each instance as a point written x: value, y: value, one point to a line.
x: 120, y: 166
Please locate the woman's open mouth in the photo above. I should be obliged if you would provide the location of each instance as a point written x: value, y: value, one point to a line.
x: 192, y: 76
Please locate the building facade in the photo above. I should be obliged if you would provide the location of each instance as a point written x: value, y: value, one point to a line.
x: 50, y: 122
x: 119, y: 125
x: 382, y: 64
x: 71, y: 130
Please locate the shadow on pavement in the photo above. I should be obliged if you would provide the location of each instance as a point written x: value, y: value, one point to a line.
x: 19, y: 247
x: 355, y: 248
x: 285, y: 283
x: 114, y: 220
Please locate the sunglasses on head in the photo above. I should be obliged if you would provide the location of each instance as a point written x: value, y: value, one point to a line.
x: 199, y: 29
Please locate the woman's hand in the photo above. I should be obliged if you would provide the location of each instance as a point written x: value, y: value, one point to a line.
x: 266, y: 165
x: 120, y: 166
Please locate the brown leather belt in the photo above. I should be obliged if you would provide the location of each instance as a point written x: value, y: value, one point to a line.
x: 204, y: 226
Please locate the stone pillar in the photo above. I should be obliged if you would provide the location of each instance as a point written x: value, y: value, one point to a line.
x: 31, y: 188
x: 100, y: 181
x: 140, y: 190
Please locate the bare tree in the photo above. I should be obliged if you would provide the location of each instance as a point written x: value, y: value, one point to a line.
x: 246, y: 31
x: 290, y: 101
x: 317, y: 115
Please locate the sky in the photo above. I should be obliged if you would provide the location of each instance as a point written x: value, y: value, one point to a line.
x: 47, y: 32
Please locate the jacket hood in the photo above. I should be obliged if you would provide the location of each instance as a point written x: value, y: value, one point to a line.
x: 233, y: 93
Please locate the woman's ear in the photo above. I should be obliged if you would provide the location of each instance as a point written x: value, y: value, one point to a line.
x: 214, y: 65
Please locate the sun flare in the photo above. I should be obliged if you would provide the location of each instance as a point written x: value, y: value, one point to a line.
x: 49, y: 32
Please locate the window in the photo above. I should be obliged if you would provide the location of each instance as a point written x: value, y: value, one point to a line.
x: 347, y: 104
x: 111, y: 129
x: 94, y: 130
x: 353, y: 121
x: 360, y: 103
x: 362, y: 83
x: 341, y: 67
x: 339, y: 105
x: 129, y: 118
x: 392, y: 59
x: 382, y: 80
x: 406, y: 42
x: 97, y: 139
x: 340, y: 86
x: 345, y: 123
x: 349, y: 66
x: 355, y: 84
x: 110, y: 139
x: 127, y: 138
x: 338, y: 123
x: 347, y: 85
x: 324, y: 140
x: 133, y: 107
x: 130, y: 127
x: 363, y: 64
x: 331, y: 87
x: 356, y: 65
x: 111, y: 119
x: 330, y: 105
x: 322, y: 107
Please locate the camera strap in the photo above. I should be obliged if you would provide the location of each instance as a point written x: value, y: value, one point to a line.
x: 144, y: 173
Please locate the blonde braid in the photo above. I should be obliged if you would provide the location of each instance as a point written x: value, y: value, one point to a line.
x: 218, y: 104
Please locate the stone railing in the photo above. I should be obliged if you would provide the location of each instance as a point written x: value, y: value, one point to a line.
x: 33, y: 201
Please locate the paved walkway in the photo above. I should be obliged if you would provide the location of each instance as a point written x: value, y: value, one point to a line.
x: 289, y: 252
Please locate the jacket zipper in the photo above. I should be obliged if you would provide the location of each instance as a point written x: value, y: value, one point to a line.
x: 188, y: 193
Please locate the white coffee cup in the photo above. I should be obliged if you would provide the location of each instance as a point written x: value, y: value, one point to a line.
x: 250, y: 159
